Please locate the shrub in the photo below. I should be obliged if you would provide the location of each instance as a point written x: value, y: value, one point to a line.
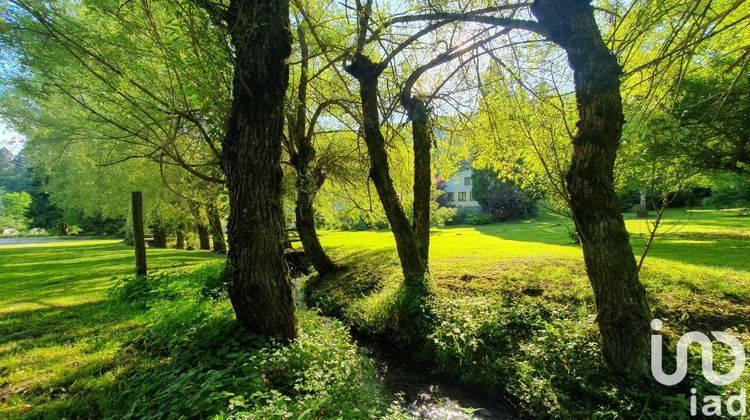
x: 541, y: 352
x: 502, y: 200
x: 573, y: 234
x: 459, y: 218
x: 441, y: 216
x: 480, y: 219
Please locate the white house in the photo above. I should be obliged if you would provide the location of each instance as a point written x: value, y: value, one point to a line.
x: 458, y: 191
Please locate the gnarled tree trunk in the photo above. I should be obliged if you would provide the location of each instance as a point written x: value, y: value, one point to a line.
x: 259, y: 285
x: 308, y: 184
x: 309, y: 180
x: 623, y: 312
x: 414, y: 267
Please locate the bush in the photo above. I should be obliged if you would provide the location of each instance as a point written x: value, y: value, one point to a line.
x: 502, y: 200
x: 441, y: 216
x: 542, y: 354
x: 480, y: 219
x: 630, y: 200
x: 459, y: 218
x: 573, y: 234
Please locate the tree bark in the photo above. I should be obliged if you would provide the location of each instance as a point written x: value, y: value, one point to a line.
x: 309, y: 180
x: 308, y: 184
x: 136, y: 199
x: 419, y: 115
x: 259, y: 286
x: 623, y: 312
x: 217, y: 232
x: 413, y: 265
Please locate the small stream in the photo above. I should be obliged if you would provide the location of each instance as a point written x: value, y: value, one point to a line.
x: 428, y: 395
x: 422, y: 393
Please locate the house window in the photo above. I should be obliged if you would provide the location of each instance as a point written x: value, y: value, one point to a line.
x: 451, y: 196
x: 467, y: 180
x: 470, y: 196
x: 462, y: 196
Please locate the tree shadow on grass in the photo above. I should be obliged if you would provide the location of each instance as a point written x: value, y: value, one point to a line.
x: 60, y: 334
x: 57, y: 353
x: 712, y: 249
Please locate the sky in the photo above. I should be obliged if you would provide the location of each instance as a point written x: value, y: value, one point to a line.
x: 10, y: 139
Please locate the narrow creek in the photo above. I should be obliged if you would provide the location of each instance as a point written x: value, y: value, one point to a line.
x: 422, y: 394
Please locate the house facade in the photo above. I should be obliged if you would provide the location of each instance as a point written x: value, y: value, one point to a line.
x: 458, y: 191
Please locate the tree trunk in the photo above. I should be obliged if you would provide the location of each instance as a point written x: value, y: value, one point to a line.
x: 136, y: 199
x: 160, y: 236
x: 309, y: 180
x: 419, y: 115
x: 412, y: 264
x: 643, y: 207
x: 180, y: 243
x: 308, y: 184
x: 259, y: 286
x: 623, y: 312
x: 217, y: 232
x: 204, y: 241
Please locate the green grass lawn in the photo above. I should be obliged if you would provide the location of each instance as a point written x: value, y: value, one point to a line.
x: 63, y: 338
x: 59, y: 331
x: 514, y: 313
x: 700, y: 260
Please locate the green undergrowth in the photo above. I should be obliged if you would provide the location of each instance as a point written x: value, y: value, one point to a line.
x: 167, y: 346
x: 513, y: 315
x: 194, y: 361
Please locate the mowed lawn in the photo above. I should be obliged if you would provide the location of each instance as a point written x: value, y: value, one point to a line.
x: 59, y: 331
x: 698, y: 268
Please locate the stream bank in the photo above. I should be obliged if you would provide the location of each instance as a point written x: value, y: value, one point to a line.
x: 421, y: 393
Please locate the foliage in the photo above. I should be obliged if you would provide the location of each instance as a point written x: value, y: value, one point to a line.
x: 513, y: 313
x: 14, y: 174
x: 161, y: 346
x: 13, y: 208
x: 42, y: 213
x: 502, y: 200
x: 480, y: 219
x: 207, y: 281
x: 196, y: 362
x: 729, y: 191
x: 713, y: 107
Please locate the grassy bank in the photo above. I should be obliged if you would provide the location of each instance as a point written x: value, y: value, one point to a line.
x: 513, y: 314
x: 79, y: 338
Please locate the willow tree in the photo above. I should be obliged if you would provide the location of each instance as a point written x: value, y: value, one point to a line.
x: 623, y: 313
x: 259, y: 284
x: 157, y: 76
x: 303, y: 155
